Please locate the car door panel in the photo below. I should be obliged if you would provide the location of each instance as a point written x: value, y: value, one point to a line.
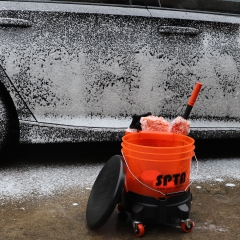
x: 211, y: 57
x: 63, y: 64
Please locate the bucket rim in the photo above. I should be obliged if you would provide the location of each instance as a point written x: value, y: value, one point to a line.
x: 156, y: 148
x: 151, y: 153
x: 168, y: 135
x: 169, y: 156
x: 150, y: 160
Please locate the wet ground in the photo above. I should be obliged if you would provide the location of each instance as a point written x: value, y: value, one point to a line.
x: 44, y: 192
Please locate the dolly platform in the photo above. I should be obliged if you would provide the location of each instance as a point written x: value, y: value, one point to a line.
x: 108, y: 192
x: 148, y: 210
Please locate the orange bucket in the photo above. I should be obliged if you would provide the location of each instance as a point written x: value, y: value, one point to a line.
x: 158, y: 163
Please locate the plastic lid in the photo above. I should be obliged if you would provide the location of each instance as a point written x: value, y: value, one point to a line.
x: 106, y: 192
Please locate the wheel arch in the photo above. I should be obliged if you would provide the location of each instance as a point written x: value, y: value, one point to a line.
x: 13, y: 121
x: 17, y: 110
x: 14, y: 97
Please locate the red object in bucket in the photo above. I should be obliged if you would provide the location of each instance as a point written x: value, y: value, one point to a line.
x: 149, y: 177
x: 173, y: 168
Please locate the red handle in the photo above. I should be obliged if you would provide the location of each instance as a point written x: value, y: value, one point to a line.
x: 194, y: 94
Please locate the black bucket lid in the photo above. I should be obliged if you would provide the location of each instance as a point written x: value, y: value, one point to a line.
x: 106, y: 192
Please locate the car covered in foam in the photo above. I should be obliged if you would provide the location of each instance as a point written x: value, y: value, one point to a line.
x: 74, y: 71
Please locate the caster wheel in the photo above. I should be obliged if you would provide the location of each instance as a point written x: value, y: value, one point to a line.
x: 140, y: 230
x: 187, y: 229
x: 120, y: 208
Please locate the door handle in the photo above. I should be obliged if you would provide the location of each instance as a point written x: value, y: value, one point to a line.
x: 14, y: 22
x: 178, y: 30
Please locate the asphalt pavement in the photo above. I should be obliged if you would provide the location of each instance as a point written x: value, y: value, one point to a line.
x: 44, y: 191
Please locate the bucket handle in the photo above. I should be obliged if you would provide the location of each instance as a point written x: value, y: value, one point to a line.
x: 167, y: 194
x: 196, y: 172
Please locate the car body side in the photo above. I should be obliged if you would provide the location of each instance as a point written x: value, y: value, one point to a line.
x: 78, y: 72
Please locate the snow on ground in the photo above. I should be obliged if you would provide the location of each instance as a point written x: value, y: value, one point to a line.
x: 43, y: 181
x: 217, y: 169
x: 29, y: 182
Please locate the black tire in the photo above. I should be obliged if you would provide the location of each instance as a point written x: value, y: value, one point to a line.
x: 9, y: 124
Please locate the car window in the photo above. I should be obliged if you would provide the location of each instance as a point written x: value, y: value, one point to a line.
x: 125, y: 2
x: 221, y: 6
x: 155, y: 3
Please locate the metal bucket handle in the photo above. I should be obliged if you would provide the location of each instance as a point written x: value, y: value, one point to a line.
x: 167, y: 194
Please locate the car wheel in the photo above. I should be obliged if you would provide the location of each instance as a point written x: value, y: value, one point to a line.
x: 9, y: 124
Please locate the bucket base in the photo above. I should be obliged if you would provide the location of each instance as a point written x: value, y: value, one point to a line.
x: 148, y: 210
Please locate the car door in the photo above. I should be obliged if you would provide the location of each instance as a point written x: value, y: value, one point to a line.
x: 198, y: 41
x: 73, y: 63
